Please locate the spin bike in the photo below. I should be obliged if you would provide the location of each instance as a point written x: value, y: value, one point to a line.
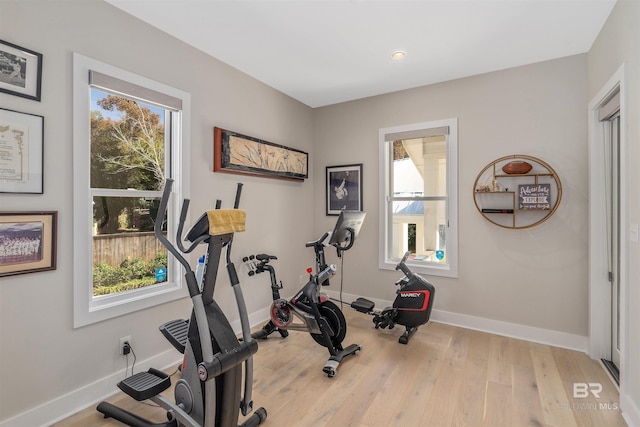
x: 411, y: 308
x: 208, y: 391
x: 310, y: 307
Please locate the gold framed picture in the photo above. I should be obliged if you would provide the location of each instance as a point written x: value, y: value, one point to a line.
x: 28, y: 242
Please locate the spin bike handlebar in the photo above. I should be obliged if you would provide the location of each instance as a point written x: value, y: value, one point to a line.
x: 352, y: 240
x: 317, y: 242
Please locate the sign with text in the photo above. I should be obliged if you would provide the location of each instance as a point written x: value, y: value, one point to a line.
x: 534, y: 196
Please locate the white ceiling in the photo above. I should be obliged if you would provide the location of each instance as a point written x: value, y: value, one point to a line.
x: 323, y: 52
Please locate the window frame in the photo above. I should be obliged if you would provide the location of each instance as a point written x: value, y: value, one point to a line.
x: 386, y: 262
x: 87, y: 309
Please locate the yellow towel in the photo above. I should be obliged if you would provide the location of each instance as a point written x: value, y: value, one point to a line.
x: 223, y: 221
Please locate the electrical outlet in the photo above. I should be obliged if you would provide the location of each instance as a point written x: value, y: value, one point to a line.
x: 122, y: 341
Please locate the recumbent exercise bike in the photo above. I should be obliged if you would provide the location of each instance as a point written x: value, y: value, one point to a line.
x: 311, y: 308
x: 208, y: 391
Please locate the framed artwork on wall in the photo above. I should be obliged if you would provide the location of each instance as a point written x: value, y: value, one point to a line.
x: 28, y: 242
x: 344, y: 188
x: 20, y: 71
x: 21, y: 145
x: 246, y: 155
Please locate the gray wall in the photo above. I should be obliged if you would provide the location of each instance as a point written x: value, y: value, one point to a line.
x: 537, y: 110
x: 41, y: 356
x: 619, y: 43
x: 535, y: 277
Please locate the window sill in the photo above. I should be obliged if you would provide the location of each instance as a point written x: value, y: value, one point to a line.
x: 422, y: 268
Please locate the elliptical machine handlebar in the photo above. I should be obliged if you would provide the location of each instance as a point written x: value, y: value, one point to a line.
x: 183, y: 218
x: 236, y: 203
x: 157, y: 227
x: 192, y: 282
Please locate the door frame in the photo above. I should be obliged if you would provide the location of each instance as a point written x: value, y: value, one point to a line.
x: 599, y: 285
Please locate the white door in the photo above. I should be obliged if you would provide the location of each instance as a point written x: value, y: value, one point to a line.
x: 613, y: 132
x: 610, y: 117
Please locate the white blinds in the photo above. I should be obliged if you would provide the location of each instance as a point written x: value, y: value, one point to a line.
x: 610, y: 108
x: 133, y: 91
x: 412, y: 134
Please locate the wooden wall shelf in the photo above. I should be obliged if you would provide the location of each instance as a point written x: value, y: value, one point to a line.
x: 517, y: 200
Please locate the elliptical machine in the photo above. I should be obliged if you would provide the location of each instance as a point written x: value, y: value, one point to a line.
x: 208, y: 391
x: 411, y: 308
x: 310, y: 310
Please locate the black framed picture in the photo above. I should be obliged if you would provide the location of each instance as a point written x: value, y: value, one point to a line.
x: 21, y: 145
x: 344, y: 188
x: 20, y: 71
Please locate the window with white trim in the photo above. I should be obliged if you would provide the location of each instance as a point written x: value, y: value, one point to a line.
x: 419, y: 197
x: 129, y: 136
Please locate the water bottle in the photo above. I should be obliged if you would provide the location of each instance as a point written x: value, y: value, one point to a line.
x: 200, y: 271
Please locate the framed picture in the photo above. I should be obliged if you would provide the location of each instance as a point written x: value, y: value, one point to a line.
x: 20, y: 71
x: 245, y: 155
x: 27, y: 242
x: 344, y: 188
x: 21, y: 145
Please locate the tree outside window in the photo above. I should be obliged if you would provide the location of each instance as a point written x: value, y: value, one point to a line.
x: 127, y: 153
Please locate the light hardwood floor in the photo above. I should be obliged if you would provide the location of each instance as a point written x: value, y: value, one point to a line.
x: 446, y: 376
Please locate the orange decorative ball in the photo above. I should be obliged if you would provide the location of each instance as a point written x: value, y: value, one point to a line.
x: 518, y: 167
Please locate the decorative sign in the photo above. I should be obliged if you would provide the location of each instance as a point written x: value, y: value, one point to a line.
x: 161, y: 274
x: 534, y: 197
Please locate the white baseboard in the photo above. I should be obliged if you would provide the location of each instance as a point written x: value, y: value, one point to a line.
x: 512, y: 330
x: 630, y: 411
x: 84, y: 397
x: 91, y: 394
x: 256, y: 318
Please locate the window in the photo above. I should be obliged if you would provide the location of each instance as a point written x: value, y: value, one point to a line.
x: 129, y: 135
x: 418, y: 190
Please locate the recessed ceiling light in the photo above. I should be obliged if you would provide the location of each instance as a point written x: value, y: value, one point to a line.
x: 398, y: 54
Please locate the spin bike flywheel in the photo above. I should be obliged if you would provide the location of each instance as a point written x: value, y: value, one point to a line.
x: 336, y: 321
x: 281, y: 313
